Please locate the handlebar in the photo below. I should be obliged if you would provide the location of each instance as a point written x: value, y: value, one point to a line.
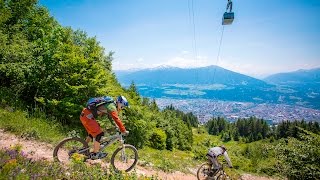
x: 115, y: 130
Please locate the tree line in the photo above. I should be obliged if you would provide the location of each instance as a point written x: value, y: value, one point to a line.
x: 189, y: 118
x: 254, y: 129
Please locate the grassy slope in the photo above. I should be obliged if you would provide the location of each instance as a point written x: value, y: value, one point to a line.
x: 40, y: 129
x: 256, y: 158
x: 18, y: 123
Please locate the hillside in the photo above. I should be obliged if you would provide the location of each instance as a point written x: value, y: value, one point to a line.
x: 304, y: 84
x: 302, y: 77
x: 265, y: 157
x: 38, y: 151
x: 37, y: 141
x: 42, y: 151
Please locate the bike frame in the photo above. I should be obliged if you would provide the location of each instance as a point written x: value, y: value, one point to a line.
x: 218, y: 173
x: 220, y: 170
x: 112, y: 139
x: 108, y: 141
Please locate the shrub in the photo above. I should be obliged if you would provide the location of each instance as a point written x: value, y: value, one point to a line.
x: 300, y: 158
x: 158, y: 139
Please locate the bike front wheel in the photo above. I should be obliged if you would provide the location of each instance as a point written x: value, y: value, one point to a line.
x: 124, y: 158
x: 204, y: 171
x: 67, y: 148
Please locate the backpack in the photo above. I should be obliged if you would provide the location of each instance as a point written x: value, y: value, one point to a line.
x: 224, y: 149
x: 94, y: 103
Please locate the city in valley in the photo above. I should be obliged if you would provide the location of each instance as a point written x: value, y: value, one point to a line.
x: 205, y: 109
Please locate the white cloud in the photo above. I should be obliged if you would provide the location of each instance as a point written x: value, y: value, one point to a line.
x: 185, y: 52
x: 140, y: 60
x: 185, y: 62
x: 138, y: 64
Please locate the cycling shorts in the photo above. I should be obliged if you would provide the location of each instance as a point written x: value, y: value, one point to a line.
x: 98, y: 137
x: 89, y: 122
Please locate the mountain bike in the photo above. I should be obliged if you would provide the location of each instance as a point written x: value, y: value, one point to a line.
x: 124, y: 158
x: 206, y: 171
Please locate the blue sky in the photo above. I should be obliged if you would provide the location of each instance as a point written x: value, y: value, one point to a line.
x: 266, y: 37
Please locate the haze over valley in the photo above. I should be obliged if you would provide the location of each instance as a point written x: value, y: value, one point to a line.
x: 214, y: 91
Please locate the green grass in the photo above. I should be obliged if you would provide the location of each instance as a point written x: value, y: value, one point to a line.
x: 167, y: 161
x: 256, y: 157
x: 20, y: 124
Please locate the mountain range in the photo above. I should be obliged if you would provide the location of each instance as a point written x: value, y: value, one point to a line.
x: 300, y: 77
x: 300, y: 87
x: 196, y: 76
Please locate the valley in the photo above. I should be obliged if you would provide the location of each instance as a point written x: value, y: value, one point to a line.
x: 205, y: 109
x: 214, y: 91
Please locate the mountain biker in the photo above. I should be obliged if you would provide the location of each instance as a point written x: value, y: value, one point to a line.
x: 213, y: 155
x: 110, y: 109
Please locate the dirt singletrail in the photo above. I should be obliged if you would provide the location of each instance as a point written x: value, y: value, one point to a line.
x: 43, y: 151
x: 39, y: 150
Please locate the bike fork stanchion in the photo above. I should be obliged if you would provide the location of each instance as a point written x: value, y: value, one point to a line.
x: 123, y: 151
x: 123, y: 155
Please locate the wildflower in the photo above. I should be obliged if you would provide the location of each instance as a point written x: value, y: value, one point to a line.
x: 12, y: 153
x: 23, y: 154
x: 77, y: 158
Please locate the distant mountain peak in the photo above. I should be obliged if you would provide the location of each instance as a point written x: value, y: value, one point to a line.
x: 163, y: 67
x: 300, y: 76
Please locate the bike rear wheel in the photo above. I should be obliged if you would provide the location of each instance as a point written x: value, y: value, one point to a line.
x: 204, y: 171
x: 223, y: 176
x: 65, y: 150
x: 124, y: 158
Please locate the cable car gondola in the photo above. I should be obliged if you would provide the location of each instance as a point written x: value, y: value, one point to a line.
x: 228, y: 17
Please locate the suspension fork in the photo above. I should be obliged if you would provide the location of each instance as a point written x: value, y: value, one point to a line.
x: 123, y: 154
